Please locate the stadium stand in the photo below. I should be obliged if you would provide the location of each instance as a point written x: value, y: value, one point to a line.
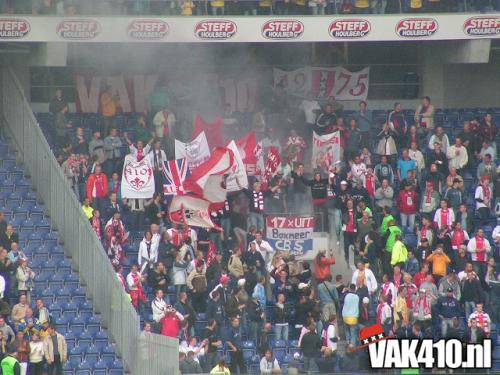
x: 55, y: 284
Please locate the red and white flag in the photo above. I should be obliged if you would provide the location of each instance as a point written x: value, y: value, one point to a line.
x: 247, y: 147
x: 273, y: 161
x: 191, y: 211
x: 208, y: 180
x: 238, y: 179
x: 174, y: 174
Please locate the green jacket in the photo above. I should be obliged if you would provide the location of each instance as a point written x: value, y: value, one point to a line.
x: 10, y: 366
x: 385, y: 223
x: 393, y: 232
x: 399, y: 253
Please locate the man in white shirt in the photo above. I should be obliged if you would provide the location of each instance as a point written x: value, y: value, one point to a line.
x: 370, y: 280
x: 159, y: 306
x: 264, y: 248
x: 269, y: 364
x: 457, y: 155
x: 358, y: 169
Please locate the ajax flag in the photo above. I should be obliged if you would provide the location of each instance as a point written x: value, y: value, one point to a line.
x: 137, y: 178
x: 326, y: 149
x: 195, y: 152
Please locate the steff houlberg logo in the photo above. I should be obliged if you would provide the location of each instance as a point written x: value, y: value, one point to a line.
x: 391, y: 353
x: 283, y: 29
x: 147, y: 29
x: 482, y: 26
x: 215, y: 29
x: 349, y: 28
x: 13, y: 28
x: 79, y: 29
x: 416, y: 27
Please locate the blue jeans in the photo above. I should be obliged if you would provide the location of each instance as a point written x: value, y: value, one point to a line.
x: 469, y: 308
x: 310, y: 365
x: 255, y: 330
x: 351, y: 334
x: 281, y: 332
x: 256, y: 219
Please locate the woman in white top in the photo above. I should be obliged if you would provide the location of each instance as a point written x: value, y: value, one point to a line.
x: 36, y: 355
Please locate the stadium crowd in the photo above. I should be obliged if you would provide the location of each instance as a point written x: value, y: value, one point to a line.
x: 413, y: 206
x: 29, y: 342
x: 246, y: 7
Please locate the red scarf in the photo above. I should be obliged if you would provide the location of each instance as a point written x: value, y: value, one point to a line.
x: 479, y: 243
x: 350, y: 224
x: 481, y: 320
x: 444, y: 217
x: 486, y: 195
x: 380, y: 308
x: 96, y: 225
x: 423, y: 302
x: 428, y: 196
x: 176, y: 237
x: 116, y: 186
x: 423, y: 232
x: 387, y: 292
x: 370, y: 185
x: 212, y: 251
x: 458, y: 238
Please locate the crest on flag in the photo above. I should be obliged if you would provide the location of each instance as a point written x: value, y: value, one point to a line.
x: 137, y: 178
x: 174, y: 174
x: 195, y: 152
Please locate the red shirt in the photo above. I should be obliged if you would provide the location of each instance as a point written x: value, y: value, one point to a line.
x: 171, y: 326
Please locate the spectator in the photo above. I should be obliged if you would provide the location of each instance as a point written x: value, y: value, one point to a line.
x: 36, y: 355
x: 350, y: 313
x: 404, y: 165
x: 387, y: 143
x: 424, y: 115
x: 220, y: 368
x: 441, y: 138
x: 197, y: 284
x: 448, y: 310
x: 444, y: 217
x: 407, y: 206
x: 440, y: 159
x: 454, y: 195
x: 282, y: 315
x: 159, y: 306
x: 269, y: 364
x: 171, y: 322
x: 55, y: 351
x: 97, y: 189
x: 439, y: 261
x: 479, y: 322
x: 457, y: 155
x: 479, y: 248
x: 397, y: 119
x: 383, y: 171
x: 311, y: 345
x: 59, y: 107
x: 110, y: 103
x: 213, y: 342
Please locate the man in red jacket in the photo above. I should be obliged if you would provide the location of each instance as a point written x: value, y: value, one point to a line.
x: 171, y: 322
x: 97, y: 189
x: 407, y: 206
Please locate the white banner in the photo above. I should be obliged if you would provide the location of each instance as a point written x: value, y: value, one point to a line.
x: 137, y: 178
x: 237, y: 179
x: 326, y: 149
x: 322, y: 83
x: 290, y: 233
x: 394, y: 27
x: 196, y: 151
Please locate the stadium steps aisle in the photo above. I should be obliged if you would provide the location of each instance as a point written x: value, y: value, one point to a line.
x: 90, y: 350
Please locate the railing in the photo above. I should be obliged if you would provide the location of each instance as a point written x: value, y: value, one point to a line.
x: 142, y: 354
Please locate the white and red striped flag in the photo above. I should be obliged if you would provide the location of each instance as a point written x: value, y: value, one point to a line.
x: 208, y: 179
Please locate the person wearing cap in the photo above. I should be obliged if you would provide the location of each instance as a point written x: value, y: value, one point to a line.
x: 447, y: 308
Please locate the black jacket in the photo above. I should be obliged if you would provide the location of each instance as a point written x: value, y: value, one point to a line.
x: 311, y: 344
x: 318, y: 188
x: 254, y: 311
x: 282, y: 315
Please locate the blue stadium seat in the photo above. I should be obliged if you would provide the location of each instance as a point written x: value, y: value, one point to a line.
x: 63, y: 295
x: 92, y: 355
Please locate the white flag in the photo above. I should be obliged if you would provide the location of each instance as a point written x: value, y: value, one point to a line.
x: 137, y: 178
x: 196, y: 151
x: 237, y: 179
x: 326, y: 149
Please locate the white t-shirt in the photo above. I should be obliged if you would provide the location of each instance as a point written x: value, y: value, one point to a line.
x: 309, y: 107
x: 330, y: 334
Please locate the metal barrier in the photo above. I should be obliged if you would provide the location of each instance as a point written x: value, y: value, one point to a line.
x: 141, y: 353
